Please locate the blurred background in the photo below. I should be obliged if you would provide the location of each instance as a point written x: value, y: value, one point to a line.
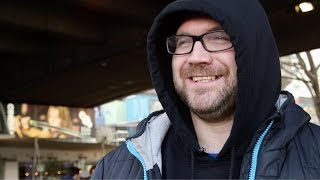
x: 75, y: 80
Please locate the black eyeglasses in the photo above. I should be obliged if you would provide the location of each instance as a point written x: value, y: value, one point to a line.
x: 212, y: 42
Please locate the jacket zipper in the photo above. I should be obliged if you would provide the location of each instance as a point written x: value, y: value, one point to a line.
x: 255, y: 152
x: 134, y: 152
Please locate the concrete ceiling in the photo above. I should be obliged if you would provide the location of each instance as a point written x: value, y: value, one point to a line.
x: 86, y: 52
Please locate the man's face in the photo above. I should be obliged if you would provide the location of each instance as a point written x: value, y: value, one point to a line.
x: 205, y: 81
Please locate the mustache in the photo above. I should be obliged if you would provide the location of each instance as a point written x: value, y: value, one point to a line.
x: 202, y: 70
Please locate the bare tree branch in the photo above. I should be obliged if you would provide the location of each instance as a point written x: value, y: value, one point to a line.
x: 303, y: 64
x: 310, y: 59
x: 303, y: 74
x: 310, y: 89
x: 289, y: 63
x: 296, y: 66
x: 295, y: 78
x: 310, y: 73
x: 293, y: 74
x: 298, y: 71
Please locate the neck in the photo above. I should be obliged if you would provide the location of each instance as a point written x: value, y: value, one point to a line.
x: 212, y: 135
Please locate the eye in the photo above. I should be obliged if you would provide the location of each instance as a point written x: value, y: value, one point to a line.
x: 217, y: 37
x: 182, y: 41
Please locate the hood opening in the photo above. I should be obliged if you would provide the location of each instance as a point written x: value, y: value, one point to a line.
x: 257, y: 60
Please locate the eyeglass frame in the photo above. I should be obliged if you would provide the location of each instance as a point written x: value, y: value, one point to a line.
x: 195, y: 39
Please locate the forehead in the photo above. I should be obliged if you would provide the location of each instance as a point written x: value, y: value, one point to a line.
x: 198, y: 25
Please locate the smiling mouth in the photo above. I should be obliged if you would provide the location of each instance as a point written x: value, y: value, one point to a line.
x: 205, y: 79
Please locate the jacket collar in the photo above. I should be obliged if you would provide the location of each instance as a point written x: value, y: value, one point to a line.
x: 148, y: 144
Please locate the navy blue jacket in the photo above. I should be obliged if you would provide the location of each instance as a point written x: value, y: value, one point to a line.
x: 289, y: 149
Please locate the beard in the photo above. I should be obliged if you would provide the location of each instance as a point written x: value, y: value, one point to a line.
x: 211, y: 105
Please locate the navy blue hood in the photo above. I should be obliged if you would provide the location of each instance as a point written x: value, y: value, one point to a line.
x: 257, y: 60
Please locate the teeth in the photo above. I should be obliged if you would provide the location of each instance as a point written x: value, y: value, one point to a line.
x: 203, y: 78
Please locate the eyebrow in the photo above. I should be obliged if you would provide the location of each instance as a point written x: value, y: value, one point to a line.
x: 210, y: 30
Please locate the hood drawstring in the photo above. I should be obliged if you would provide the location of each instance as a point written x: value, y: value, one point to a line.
x: 192, y: 164
x: 232, y: 162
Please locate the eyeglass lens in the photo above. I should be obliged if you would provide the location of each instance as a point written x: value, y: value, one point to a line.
x: 213, y: 41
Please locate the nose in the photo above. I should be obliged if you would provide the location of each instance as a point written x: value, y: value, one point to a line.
x: 199, y: 55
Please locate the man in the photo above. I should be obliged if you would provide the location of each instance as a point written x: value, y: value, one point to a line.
x: 215, y: 67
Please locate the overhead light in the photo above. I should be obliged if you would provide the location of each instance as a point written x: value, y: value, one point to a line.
x: 304, y: 7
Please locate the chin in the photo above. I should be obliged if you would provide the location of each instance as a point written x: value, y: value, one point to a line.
x: 203, y: 98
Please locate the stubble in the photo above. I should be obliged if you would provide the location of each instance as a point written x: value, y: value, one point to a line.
x: 209, y: 105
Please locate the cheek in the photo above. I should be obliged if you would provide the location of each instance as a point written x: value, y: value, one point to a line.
x: 176, y: 65
x: 233, y: 71
x: 234, y: 67
x: 228, y: 59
